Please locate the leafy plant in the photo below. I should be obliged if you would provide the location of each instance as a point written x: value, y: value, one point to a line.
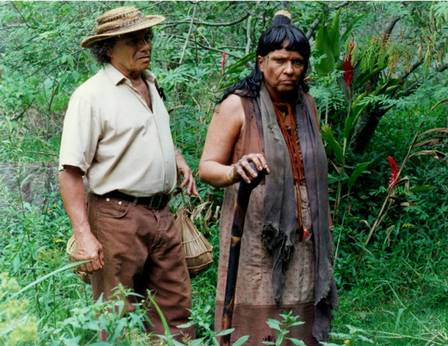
x: 428, y: 140
x: 282, y: 329
x: 378, y: 74
x: 17, y: 325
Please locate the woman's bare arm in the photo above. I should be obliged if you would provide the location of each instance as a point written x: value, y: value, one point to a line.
x: 223, y: 133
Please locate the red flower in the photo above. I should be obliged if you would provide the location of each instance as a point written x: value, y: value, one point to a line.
x: 347, y: 66
x: 223, y: 62
x: 394, y: 169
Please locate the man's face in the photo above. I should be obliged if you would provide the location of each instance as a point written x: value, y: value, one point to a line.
x: 131, y: 53
x: 282, y: 70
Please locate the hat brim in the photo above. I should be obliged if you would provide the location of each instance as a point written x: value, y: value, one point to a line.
x: 145, y: 23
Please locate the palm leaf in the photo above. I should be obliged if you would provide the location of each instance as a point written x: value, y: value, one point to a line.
x: 359, y: 169
x: 333, y: 145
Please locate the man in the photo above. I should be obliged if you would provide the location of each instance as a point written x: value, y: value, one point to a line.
x: 116, y: 134
x: 267, y: 121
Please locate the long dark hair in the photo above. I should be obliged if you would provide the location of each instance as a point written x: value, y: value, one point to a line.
x: 282, y: 34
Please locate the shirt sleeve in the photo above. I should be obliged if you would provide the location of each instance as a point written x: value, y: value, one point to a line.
x: 80, y: 134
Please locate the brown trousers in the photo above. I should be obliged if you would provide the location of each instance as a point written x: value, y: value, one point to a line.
x: 142, y: 250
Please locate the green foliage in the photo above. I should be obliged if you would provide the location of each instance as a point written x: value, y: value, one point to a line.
x: 423, y: 143
x: 282, y: 328
x: 327, y: 46
x: 88, y: 323
x: 380, y: 67
x: 393, y: 292
x: 383, y: 284
x: 17, y: 326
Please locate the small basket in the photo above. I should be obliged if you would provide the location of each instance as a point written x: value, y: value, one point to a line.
x: 70, y: 249
x: 197, y: 249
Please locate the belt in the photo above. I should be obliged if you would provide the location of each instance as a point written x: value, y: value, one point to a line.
x: 157, y: 201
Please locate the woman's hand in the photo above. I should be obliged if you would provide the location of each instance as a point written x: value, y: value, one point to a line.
x: 243, y: 169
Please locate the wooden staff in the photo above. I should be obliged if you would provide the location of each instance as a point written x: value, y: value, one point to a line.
x: 243, y: 196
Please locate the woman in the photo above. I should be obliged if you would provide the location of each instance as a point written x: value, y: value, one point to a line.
x: 268, y: 122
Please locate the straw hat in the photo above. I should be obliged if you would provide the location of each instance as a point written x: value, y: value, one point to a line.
x: 119, y: 21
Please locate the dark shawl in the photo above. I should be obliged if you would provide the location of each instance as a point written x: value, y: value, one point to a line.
x: 280, y: 225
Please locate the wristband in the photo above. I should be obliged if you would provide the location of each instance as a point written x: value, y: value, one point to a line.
x: 231, y: 174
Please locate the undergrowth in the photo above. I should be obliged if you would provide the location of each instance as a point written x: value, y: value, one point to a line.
x: 393, y: 291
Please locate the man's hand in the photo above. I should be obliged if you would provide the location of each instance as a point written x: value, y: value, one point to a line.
x: 87, y: 247
x: 184, y: 170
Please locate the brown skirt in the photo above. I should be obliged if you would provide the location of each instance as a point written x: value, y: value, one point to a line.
x: 254, y: 302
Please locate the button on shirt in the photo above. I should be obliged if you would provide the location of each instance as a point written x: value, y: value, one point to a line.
x: 112, y: 135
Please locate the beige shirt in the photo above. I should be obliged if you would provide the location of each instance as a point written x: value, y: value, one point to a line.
x: 112, y: 135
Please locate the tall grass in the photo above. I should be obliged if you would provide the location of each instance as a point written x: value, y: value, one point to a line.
x: 392, y: 291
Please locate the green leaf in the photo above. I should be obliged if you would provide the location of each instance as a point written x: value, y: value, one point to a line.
x: 296, y: 342
x: 349, y: 28
x: 72, y: 341
x: 241, y: 63
x: 325, y: 65
x: 42, y: 278
x: 332, y: 143
x: 91, y: 325
x: 16, y: 264
x: 166, y: 328
x: 241, y: 341
x: 225, y: 332
x: 186, y: 325
x: 327, y: 46
x: 333, y: 36
x: 297, y: 323
x: 274, y: 324
x: 359, y: 169
x: 351, y: 120
x: 197, y: 342
x: 119, y: 329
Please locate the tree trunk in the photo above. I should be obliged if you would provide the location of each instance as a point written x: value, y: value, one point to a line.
x: 366, y: 127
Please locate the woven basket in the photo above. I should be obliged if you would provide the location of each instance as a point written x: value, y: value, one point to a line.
x: 70, y: 249
x: 197, y: 249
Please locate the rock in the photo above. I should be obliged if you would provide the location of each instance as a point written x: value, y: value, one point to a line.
x: 32, y: 183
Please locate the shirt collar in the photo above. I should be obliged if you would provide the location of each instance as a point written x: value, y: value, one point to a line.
x: 117, y: 77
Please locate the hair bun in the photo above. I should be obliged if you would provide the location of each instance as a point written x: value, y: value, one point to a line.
x: 281, y: 17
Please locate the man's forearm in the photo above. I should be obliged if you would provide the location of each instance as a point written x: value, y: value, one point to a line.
x: 73, y: 195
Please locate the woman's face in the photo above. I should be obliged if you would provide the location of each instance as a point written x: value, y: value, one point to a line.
x: 282, y: 70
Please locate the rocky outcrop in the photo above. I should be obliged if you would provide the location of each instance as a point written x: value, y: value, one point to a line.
x: 29, y: 182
